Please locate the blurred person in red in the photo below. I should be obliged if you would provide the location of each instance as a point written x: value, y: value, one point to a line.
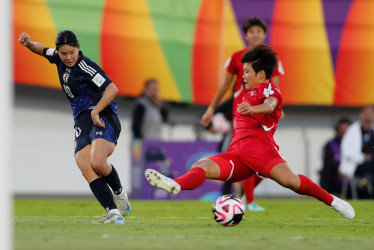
x: 252, y: 149
x: 255, y: 33
x: 222, y: 123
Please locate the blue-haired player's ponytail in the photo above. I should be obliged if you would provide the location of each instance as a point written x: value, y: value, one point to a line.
x: 66, y: 37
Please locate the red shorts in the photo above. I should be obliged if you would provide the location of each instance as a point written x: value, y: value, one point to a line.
x: 253, y: 154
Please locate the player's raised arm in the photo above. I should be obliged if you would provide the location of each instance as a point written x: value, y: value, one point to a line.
x: 35, y: 47
x: 207, y: 116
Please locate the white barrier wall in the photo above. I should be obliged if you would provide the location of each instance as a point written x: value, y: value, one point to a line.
x: 43, y: 154
x: 6, y: 205
x: 42, y: 157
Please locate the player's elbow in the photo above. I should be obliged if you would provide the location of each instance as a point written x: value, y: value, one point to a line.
x: 270, y: 107
x: 98, y: 164
x: 114, y: 88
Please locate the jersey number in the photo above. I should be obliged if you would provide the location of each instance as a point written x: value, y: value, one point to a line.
x: 68, y: 91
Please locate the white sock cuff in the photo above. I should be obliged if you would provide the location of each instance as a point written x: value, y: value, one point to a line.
x: 114, y: 211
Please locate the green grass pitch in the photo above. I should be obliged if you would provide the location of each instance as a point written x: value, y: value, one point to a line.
x: 286, y: 224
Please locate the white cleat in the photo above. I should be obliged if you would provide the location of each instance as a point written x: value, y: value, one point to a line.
x: 162, y: 182
x: 123, y: 203
x: 343, y: 208
x: 110, y: 219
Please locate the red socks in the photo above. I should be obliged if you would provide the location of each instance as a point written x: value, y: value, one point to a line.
x: 308, y: 187
x: 192, y: 179
x: 196, y: 177
x: 249, y: 185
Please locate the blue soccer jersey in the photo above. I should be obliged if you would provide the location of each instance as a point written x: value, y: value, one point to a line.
x: 83, y: 83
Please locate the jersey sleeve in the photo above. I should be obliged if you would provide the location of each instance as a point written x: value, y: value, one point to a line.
x: 94, y: 74
x: 278, y: 71
x: 270, y: 90
x: 231, y: 66
x: 50, y: 54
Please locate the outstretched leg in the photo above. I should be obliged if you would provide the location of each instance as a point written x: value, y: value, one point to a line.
x: 224, y: 167
x: 301, y: 184
x: 200, y: 170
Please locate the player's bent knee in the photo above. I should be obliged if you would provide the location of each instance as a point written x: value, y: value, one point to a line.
x: 211, y: 169
x: 199, y: 164
x: 98, y: 164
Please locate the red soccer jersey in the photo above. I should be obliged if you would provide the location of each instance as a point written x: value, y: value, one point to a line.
x: 248, y: 125
x: 234, y: 66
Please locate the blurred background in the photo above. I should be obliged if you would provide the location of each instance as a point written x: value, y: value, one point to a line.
x: 326, y: 47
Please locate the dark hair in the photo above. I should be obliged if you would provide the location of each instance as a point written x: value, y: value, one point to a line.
x: 254, y: 21
x: 342, y: 120
x: 262, y: 57
x: 66, y: 37
x: 149, y: 81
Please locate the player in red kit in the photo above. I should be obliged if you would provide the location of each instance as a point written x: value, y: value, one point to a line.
x: 252, y: 149
x: 255, y: 32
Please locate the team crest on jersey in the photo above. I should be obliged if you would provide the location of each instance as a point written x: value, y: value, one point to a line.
x: 98, y: 80
x: 65, y: 77
x: 268, y: 91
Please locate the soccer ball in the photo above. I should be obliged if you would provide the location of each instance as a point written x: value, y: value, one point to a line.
x: 228, y: 210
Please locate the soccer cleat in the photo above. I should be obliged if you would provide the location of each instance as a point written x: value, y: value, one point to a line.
x: 123, y: 203
x: 162, y: 182
x: 110, y: 219
x: 343, y: 208
x: 254, y: 207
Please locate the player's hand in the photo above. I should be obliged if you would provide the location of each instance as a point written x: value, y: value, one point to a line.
x: 24, y: 39
x: 207, y: 117
x: 97, y: 121
x: 245, y: 108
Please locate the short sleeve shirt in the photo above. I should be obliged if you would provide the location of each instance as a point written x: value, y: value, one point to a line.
x: 248, y: 125
x: 83, y: 83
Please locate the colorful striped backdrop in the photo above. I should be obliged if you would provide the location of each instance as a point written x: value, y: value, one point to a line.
x: 327, y: 47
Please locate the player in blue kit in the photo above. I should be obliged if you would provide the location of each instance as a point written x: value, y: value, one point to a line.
x: 97, y: 127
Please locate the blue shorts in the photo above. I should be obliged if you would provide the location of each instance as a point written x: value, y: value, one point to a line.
x: 86, y: 132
